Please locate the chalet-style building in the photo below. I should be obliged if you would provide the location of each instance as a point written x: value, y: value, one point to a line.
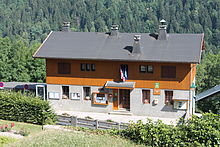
x: 144, y: 74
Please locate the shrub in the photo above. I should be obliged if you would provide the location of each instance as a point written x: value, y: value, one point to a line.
x: 6, y: 128
x: 18, y: 107
x: 204, y: 131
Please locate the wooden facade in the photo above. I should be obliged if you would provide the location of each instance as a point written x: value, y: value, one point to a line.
x: 109, y: 71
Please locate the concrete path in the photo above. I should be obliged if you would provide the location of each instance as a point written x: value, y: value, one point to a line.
x: 11, y: 134
x: 117, y: 118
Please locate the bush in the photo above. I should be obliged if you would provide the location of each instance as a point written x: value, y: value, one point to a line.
x: 204, y: 131
x: 17, y: 107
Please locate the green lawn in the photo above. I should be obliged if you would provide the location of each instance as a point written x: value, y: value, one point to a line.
x: 55, y: 138
x: 33, y: 129
x: 6, y: 140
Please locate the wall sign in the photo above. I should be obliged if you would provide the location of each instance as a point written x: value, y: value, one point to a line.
x: 157, y: 85
x: 156, y: 91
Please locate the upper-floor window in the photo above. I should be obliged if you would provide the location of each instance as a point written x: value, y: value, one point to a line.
x: 93, y: 67
x: 87, y: 67
x: 168, y: 71
x: 64, y: 68
x: 146, y: 69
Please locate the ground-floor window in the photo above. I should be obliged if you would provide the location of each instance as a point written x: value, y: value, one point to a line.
x: 146, y: 96
x: 168, y: 97
x: 65, y: 90
x: 87, y: 93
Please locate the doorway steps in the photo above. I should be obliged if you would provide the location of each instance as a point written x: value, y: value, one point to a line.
x: 121, y: 112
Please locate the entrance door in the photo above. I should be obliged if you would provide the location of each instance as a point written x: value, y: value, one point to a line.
x: 115, y: 99
x: 124, y: 98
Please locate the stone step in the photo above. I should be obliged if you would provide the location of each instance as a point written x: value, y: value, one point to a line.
x: 120, y: 112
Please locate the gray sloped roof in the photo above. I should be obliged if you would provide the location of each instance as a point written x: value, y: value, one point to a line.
x: 208, y: 93
x: 101, y: 46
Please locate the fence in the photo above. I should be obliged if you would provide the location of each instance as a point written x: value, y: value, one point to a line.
x: 89, y: 123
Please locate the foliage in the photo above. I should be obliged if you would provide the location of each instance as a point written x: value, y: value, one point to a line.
x: 17, y: 64
x: 208, y: 76
x: 210, y: 104
x: 204, y: 131
x: 18, y: 107
x: 208, y: 72
x: 5, y: 140
x: 34, y: 19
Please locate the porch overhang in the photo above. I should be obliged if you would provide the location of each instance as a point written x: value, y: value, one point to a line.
x: 181, y: 99
x: 119, y: 85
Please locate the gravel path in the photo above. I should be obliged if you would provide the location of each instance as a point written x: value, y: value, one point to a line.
x: 11, y: 134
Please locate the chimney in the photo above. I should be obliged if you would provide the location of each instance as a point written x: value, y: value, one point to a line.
x: 66, y: 27
x: 162, y: 35
x: 136, y: 46
x: 114, y: 30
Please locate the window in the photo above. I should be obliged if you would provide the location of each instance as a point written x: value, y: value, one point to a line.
x: 54, y: 95
x: 169, y: 97
x: 146, y: 96
x: 149, y: 69
x: 143, y: 68
x: 82, y: 67
x: 65, y: 90
x: 87, y: 67
x: 87, y: 93
x: 93, y: 67
x: 64, y: 68
x: 168, y: 72
x: 146, y: 68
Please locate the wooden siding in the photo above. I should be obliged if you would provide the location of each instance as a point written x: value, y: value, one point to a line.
x: 109, y: 71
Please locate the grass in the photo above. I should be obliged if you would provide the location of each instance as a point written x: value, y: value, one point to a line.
x: 54, y: 138
x: 33, y: 129
x: 5, y: 140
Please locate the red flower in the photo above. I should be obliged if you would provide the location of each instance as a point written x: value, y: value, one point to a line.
x: 1, y: 127
x: 6, y: 126
x: 12, y: 125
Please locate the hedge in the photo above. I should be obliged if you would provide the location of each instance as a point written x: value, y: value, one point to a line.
x: 24, y: 108
x: 204, y: 131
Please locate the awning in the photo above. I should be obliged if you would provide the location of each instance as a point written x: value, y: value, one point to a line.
x: 119, y: 85
x: 180, y: 99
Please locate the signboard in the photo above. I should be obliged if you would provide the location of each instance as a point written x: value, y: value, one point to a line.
x: 1, y: 84
x: 157, y: 85
x: 156, y: 91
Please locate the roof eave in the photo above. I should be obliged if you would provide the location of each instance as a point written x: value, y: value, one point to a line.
x: 34, y: 56
x: 192, y: 62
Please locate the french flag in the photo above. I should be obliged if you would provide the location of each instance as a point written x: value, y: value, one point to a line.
x: 122, y: 75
